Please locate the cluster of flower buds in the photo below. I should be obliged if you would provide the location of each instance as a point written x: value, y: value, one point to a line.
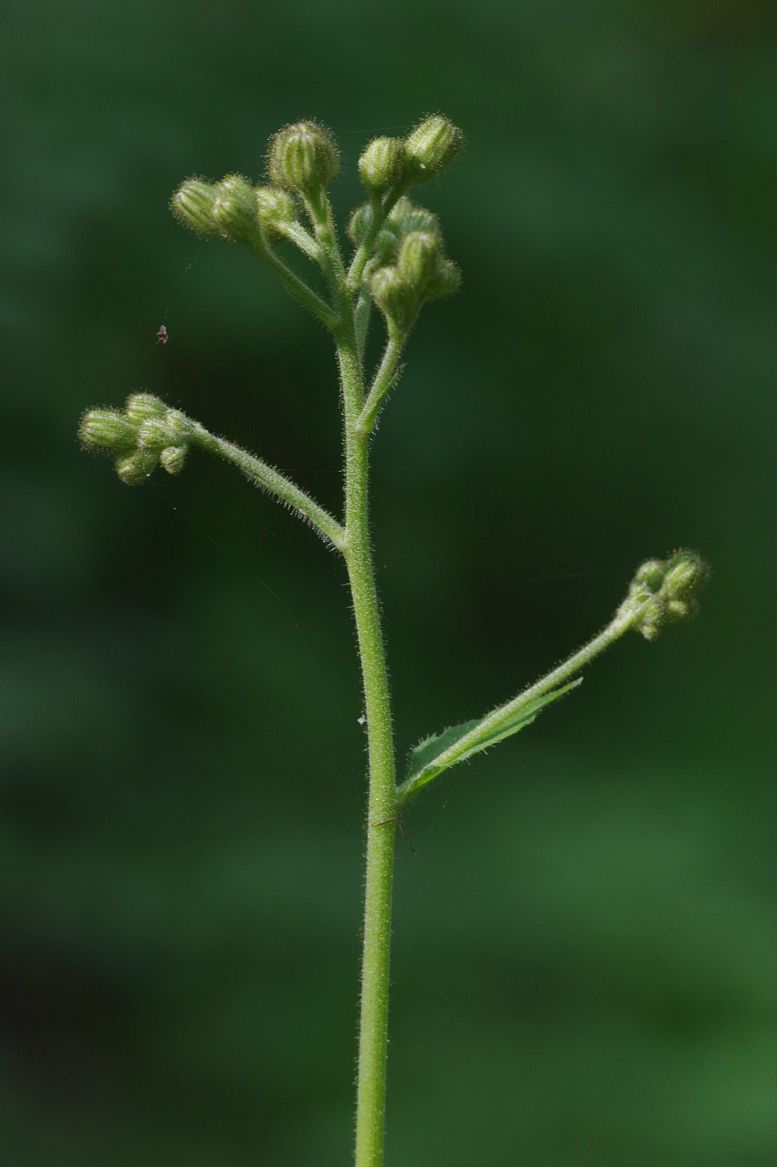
x: 146, y: 435
x: 233, y: 209
x: 409, y: 265
x: 421, y: 156
x: 664, y: 591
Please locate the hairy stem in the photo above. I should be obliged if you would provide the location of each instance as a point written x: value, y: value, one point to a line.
x: 261, y: 474
x: 385, y: 379
x: 504, y: 713
x: 381, y: 801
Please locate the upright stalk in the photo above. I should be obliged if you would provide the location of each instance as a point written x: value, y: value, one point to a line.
x: 381, y: 801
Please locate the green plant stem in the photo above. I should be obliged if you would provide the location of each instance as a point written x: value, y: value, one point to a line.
x: 620, y: 624
x: 298, y: 289
x: 261, y: 474
x: 363, y: 252
x: 385, y: 379
x: 381, y: 801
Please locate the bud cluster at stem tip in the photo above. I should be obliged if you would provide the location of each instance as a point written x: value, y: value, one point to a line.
x: 146, y: 435
x: 414, y: 267
x: 663, y: 592
x: 424, y: 154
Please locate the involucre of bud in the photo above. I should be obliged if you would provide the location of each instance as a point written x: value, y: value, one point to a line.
x: 395, y: 297
x: 173, y: 458
x: 445, y: 280
x: 419, y: 255
x: 192, y: 205
x: 431, y: 147
x: 107, y: 429
x: 276, y: 208
x: 407, y: 216
x: 235, y: 211
x: 360, y: 223
x: 153, y: 434
x: 142, y: 406
x: 664, y: 591
x: 383, y: 163
x: 134, y: 469
x: 303, y: 157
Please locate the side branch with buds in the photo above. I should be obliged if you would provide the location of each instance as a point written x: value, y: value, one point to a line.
x: 397, y: 265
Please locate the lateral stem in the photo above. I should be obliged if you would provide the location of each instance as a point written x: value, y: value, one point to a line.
x: 386, y: 377
x: 503, y: 713
x: 261, y: 474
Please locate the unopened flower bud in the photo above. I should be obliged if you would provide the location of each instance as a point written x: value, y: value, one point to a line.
x: 179, y: 426
x: 153, y: 434
x: 383, y: 163
x: 141, y: 406
x: 192, y: 205
x: 445, y: 280
x: 407, y: 216
x: 303, y: 157
x: 107, y: 429
x: 234, y: 209
x: 172, y: 459
x: 360, y: 223
x: 431, y: 147
x: 134, y: 469
x: 275, y: 207
x: 397, y: 299
x: 419, y: 255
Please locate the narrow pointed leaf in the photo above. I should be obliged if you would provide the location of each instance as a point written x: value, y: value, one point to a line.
x: 435, y: 754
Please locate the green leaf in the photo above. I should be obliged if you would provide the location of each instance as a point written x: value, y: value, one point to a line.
x: 437, y: 753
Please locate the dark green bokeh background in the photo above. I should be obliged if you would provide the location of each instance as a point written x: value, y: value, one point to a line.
x: 586, y: 942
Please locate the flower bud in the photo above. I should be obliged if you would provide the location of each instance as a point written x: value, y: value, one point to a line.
x: 173, y: 458
x: 445, y: 280
x: 134, y: 469
x: 431, y: 147
x: 153, y: 434
x: 107, y: 429
x: 141, y: 406
x: 303, y: 157
x: 419, y: 255
x: 407, y: 216
x: 397, y: 299
x: 235, y: 211
x: 275, y: 207
x: 192, y: 205
x: 383, y: 163
x: 360, y: 223
x: 663, y: 592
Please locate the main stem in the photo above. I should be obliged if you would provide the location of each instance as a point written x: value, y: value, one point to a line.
x: 381, y: 801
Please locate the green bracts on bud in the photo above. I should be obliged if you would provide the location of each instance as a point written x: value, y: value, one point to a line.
x: 142, y: 406
x: 276, y: 209
x: 431, y: 147
x: 383, y: 164
x: 664, y: 591
x: 396, y: 298
x: 147, y: 434
x: 173, y: 458
x: 134, y: 469
x: 235, y: 210
x: 407, y: 216
x: 419, y: 255
x: 192, y: 205
x: 107, y: 429
x: 303, y: 157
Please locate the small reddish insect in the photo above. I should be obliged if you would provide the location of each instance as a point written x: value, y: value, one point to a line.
x: 161, y: 335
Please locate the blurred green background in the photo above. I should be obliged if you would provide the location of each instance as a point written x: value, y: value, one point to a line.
x: 585, y: 964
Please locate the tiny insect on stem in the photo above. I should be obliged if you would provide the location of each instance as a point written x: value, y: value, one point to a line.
x: 398, y: 822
